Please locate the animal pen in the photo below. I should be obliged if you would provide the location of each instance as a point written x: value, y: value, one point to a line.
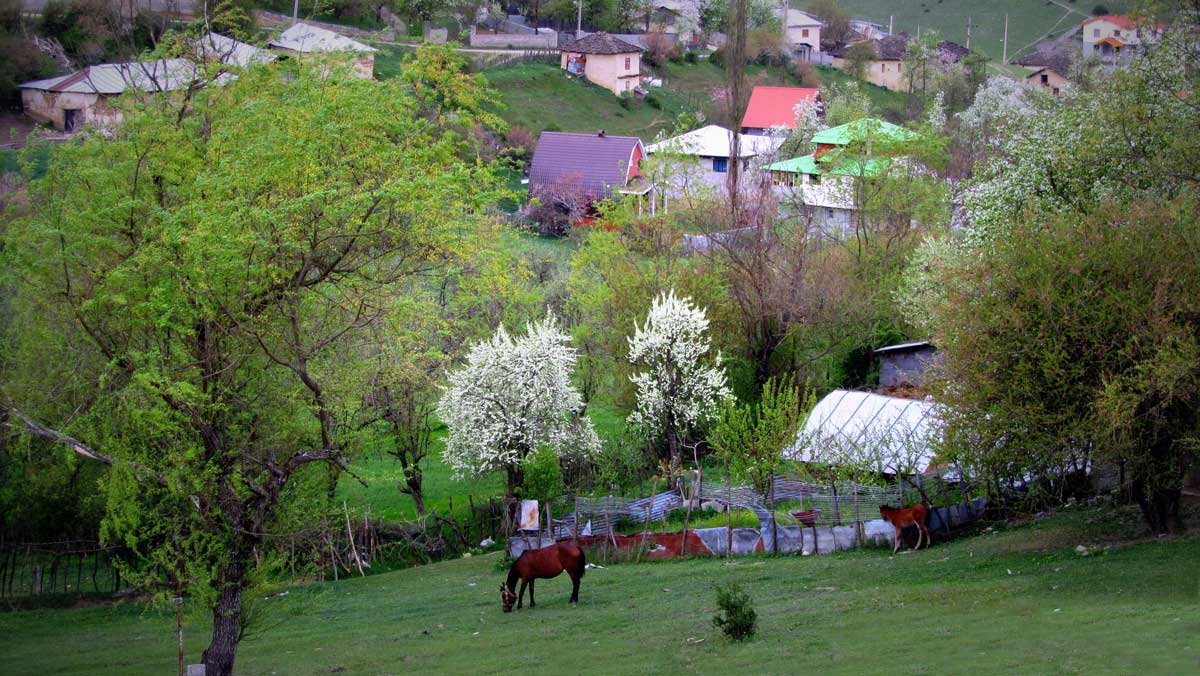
x: 818, y: 518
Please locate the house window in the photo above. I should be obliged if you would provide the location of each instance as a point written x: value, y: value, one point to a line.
x: 627, y: 63
x: 814, y: 178
x: 828, y: 214
x: 1045, y: 79
x: 1056, y: 91
x: 1116, y: 34
x: 720, y: 164
x: 804, y: 32
x: 1095, y: 32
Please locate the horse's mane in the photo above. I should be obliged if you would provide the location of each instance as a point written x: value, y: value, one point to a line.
x: 514, y: 574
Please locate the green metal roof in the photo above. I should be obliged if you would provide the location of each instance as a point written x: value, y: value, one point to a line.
x: 829, y: 163
x: 862, y: 130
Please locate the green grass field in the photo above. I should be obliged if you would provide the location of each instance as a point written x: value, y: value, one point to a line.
x: 1013, y: 601
x: 1029, y: 21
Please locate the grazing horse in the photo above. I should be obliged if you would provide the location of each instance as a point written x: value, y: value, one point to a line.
x: 544, y: 563
x: 908, y: 516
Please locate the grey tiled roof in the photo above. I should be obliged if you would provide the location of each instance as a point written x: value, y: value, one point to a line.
x: 600, y: 43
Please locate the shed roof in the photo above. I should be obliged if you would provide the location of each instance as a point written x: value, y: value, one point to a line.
x: 776, y: 106
x: 890, y: 433
x: 114, y: 78
x: 888, y: 48
x: 600, y: 43
x: 863, y: 130
x: 916, y: 344
x: 598, y: 162
x: 1125, y: 22
x: 714, y: 141
x: 830, y: 163
x: 217, y: 47
x: 305, y: 38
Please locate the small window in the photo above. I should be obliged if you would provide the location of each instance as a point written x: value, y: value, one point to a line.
x: 627, y: 63
x: 883, y: 67
x: 1056, y: 91
x: 1095, y: 32
x: 1116, y: 34
x: 804, y: 32
x: 721, y: 164
x: 829, y: 213
x: 1045, y: 79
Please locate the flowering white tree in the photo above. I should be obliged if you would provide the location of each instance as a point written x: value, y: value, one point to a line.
x: 513, y: 396
x: 679, y: 388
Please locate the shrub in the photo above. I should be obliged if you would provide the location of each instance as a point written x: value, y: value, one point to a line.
x: 553, y: 126
x: 690, y: 56
x: 1099, y: 10
x: 653, y: 101
x: 659, y: 48
x: 629, y: 101
x: 806, y: 74
x: 736, y: 617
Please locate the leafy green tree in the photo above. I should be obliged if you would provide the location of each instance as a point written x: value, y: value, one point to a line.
x: 1074, y: 340
x: 221, y: 258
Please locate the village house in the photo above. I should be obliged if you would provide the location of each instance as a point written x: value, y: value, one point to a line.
x: 700, y: 161
x: 1115, y: 39
x: 1048, y: 70
x: 680, y: 18
x: 772, y: 110
x: 903, y: 366
x: 821, y: 187
x: 886, y: 67
x: 85, y: 97
x: 605, y: 60
x: 802, y: 34
x: 588, y: 167
x: 305, y: 39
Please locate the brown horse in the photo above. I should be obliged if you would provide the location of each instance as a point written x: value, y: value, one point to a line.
x: 908, y: 516
x: 544, y: 563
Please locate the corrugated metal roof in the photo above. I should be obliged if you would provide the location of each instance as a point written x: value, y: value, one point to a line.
x: 903, y: 346
x: 889, y: 433
x: 598, y: 163
x: 830, y: 163
x: 776, y: 106
x: 714, y: 141
x: 217, y: 47
x: 114, y: 78
x: 305, y: 38
x: 862, y: 130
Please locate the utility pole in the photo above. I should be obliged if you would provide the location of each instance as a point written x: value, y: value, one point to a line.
x: 891, y: 19
x: 1004, y: 59
x: 578, y: 20
x: 295, y: 11
x: 968, y: 32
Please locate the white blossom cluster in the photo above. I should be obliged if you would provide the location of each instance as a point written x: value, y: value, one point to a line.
x: 678, y: 387
x: 512, y: 396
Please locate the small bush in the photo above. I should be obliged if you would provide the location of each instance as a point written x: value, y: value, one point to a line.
x: 690, y: 56
x: 1099, y: 10
x: 553, y: 126
x: 629, y: 101
x: 653, y: 101
x: 736, y: 617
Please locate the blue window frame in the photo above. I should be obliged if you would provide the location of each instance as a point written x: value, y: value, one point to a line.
x: 720, y: 164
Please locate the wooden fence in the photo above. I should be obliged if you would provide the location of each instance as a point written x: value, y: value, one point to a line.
x: 62, y: 567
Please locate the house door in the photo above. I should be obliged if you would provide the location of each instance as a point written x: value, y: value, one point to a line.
x: 69, y: 120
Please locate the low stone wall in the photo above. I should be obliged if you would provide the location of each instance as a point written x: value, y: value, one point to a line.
x: 544, y: 39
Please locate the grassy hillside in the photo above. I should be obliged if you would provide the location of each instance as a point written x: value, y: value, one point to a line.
x: 1015, y: 601
x: 1029, y: 21
x: 538, y: 96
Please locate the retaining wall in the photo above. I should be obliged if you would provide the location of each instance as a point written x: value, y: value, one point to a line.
x: 545, y: 38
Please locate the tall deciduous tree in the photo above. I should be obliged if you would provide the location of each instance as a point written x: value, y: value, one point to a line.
x: 682, y: 387
x: 220, y: 257
x: 513, y: 396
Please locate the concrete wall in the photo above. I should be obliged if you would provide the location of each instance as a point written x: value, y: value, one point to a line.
x: 362, y: 64
x: 544, y: 39
x: 887, y: 74
x: 796, y: 36
x: 609, y: 70
x: 904, y: 366
x: 1054, y: 84
x: 48, y: 108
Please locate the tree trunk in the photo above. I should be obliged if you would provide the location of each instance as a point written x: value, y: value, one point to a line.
x: 227, y: 615
x: 1160, y: 508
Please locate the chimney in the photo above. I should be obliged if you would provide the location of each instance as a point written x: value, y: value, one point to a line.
x: 600, y: 133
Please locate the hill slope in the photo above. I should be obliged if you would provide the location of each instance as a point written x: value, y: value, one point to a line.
x: 1029, y: 21
x: 1014, y: 601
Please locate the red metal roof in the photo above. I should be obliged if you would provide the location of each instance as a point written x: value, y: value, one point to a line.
x: 776, y: 106
x: 1125, y: 22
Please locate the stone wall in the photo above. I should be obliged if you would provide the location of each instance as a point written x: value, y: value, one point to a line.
x: 544, y: 39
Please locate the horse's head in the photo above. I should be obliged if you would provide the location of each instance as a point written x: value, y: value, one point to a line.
x: 507, y: 598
